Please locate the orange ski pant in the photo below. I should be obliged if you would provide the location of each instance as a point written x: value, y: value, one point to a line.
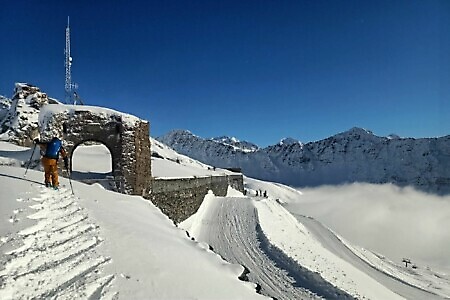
x: 51, y: 170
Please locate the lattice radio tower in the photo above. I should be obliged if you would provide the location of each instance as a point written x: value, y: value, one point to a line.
x: 69, y: 87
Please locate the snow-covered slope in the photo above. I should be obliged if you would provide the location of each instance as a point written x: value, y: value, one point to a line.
x: 166, y: 163
x: 356, y: 155
x: 105, y: 245
x: 286, y: 251
x: 125, y: 247
x: 102, y: 245
x: 98, y: 244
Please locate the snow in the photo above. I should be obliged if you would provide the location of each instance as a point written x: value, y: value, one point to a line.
x: 13, y: 155
x: 102, y: 245
x: 286, y: 233
x: 356, y: 155
x: 397, y: 222
x: 289, y: 141
x: 92, y: 158
x: 169, y: 164
x: 99, y: 244
x: 374, y: 212
x: 328, y: 242
x: 50, y: 109
x: 293, y: 238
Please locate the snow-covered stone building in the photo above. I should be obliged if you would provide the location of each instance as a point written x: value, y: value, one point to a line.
x: 126, y: 137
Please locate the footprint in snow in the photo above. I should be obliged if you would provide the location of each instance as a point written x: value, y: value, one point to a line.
x: 13, y: 219
x: 17, y: 211
x: 3, y: 240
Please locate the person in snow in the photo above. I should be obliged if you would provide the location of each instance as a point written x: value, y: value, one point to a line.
x: 51, y: 151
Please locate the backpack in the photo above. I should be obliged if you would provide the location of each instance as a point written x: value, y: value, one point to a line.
x: 53, y: 148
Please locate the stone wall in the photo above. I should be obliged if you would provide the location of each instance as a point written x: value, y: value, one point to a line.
x: 180, y: 198
x: 137, y: 167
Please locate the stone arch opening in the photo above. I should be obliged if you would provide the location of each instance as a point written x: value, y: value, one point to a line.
x: 92, y: 161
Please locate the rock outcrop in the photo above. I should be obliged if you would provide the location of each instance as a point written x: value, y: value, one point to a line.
x: 19, y: 116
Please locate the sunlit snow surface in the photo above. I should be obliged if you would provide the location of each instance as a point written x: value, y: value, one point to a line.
x: 98, y: 244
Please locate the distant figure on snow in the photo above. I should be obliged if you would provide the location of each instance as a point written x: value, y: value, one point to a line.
x: 265, y: 194
x: 50, y: 155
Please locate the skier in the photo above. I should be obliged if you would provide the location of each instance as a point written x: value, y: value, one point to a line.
x: 51, y: 151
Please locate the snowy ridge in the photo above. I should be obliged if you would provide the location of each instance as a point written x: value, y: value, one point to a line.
x: 288, y: 252
x: 420, y: 278
x: 289, y: 141
x: 166, y: 163
x: 356, y: 155
x: 236, y: 144
x: 293, y: 238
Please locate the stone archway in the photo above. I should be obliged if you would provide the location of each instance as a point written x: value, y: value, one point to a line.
x: 126, y: 137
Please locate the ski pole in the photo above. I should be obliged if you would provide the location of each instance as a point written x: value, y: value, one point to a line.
x: 70, y: 181
x: 29, y: 162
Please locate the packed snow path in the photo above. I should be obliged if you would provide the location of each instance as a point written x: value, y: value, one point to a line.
x: 234, y: 233
x: 63, y: 241
x: 330, y: 241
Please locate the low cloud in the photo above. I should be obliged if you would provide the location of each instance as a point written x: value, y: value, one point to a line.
x: 396, y: 222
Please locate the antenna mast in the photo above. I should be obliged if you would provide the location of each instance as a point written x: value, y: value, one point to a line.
x: 69, y: 87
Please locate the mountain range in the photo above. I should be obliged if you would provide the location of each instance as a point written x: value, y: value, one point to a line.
x: 356, y: 155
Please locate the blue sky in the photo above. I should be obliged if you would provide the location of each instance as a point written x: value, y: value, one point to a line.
x: 257, y: 70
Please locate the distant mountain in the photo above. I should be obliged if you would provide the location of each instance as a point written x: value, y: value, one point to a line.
x: 356, y: 155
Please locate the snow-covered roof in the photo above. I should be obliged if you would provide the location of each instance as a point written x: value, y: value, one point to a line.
x: 48, y: 110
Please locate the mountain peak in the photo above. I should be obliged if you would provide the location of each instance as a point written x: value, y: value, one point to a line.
x: 356, y: 132
x: 289, y: 141
x: 394, y: 136
x: 226, y: 139
x: 179, y: 132
x: 359, y: 130
x: 236, y: 144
